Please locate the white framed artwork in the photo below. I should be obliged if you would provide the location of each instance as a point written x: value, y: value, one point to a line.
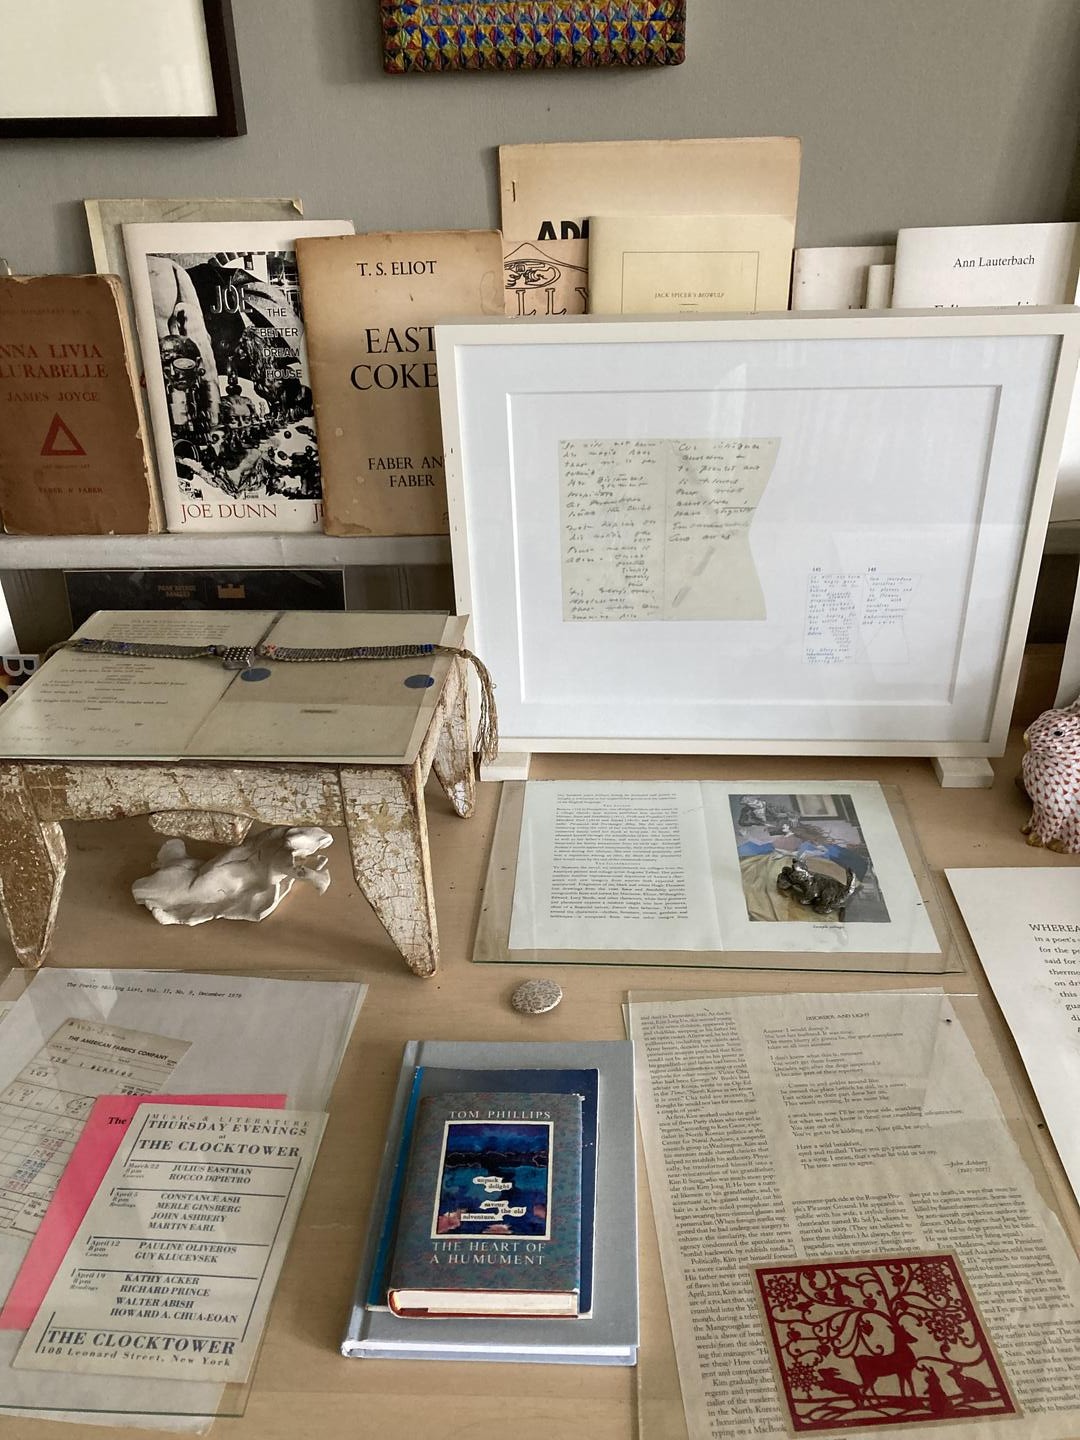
x: 791, y: 534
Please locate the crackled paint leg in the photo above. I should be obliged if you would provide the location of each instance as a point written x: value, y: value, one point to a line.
x: 453, y: 759
x: 33, y: 859
x: 387, y: 829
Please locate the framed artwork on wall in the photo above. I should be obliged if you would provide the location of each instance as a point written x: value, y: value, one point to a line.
x: 118, y: 68
x: 787, y: 534
x: 421, y: 35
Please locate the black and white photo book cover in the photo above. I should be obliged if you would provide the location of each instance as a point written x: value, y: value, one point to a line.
x: 222, y: 335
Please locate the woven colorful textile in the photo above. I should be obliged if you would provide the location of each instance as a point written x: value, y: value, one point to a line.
x: 503, y: 35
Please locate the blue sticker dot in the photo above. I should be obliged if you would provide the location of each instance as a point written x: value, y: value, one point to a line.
x: 419, y: 682
x: 258, y: 673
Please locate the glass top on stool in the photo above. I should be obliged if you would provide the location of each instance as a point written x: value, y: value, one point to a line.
x: 84, y: 706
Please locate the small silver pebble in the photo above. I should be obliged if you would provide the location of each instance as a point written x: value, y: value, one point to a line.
x: 536, y: 997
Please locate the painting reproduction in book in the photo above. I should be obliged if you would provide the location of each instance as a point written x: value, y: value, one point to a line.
x: 230, y: 395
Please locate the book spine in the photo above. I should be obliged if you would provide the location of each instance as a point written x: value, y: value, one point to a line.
x: 377, y: 1287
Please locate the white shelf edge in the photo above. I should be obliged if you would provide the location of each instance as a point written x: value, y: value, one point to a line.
x: 120, y: 552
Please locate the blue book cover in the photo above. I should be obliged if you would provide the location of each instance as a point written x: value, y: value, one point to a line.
x: 439, y: 1080
x: 490, y: 1215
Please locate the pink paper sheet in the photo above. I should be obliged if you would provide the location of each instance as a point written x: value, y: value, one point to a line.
x: 84, y: 1172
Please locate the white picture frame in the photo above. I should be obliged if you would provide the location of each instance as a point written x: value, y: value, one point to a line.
x: 914, y: 469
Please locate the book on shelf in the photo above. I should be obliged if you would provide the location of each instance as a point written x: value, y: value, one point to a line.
x: 222, y: 335
x: 15, y: 670
x: 74, y: 458
x: 372, y: 302
x: 602, y: 1328
x: 249, y: 589
x: 548, y: 192
x: 490, y: 1216
x: 684, y: 264
x: 835, y: 277
x: 974, y: 265
x: 879, y: 286
x: 106, y: 218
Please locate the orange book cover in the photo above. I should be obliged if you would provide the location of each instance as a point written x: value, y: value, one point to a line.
x: 73, y: 454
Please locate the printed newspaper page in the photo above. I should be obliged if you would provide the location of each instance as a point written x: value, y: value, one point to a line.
x: 173, y: 1268
x: 850, y: 1238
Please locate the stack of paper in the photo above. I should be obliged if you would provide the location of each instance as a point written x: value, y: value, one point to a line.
x: 157, y: 1133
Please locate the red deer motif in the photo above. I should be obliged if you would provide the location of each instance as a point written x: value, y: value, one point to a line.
x: 901, y: 1361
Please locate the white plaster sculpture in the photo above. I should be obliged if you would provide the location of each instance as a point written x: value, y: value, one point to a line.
x: 244, y: 883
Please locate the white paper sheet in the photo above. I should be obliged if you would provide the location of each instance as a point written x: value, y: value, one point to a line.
x: 173, y: 1267
x: 824, y: 1128
x: 1026, y: 928
x: 858, y: 616
x: 43, y: 1109
x: 244, y: 1036
x: 652, y: 865
x: 82, y: 706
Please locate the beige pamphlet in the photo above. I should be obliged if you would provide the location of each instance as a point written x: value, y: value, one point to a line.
x: 174, y: 1265
x: 548, y: 191
x: 683, y: 264
x: 74, y: 456
x: 372, y: 302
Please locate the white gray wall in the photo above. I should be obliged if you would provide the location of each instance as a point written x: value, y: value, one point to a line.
x: 911, y: 112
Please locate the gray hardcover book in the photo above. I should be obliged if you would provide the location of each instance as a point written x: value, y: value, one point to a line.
x: 609, y: 1336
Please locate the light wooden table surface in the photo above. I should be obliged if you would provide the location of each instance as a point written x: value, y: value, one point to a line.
x: 303, y: 1389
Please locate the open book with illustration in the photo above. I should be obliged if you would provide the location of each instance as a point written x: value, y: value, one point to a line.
x: 776, y: 866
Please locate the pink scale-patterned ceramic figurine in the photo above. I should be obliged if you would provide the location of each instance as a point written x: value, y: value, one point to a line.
x: 1051, y: 774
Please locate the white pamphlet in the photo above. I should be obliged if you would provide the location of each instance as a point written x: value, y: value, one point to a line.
x: 971, y: 265
x: 1026, y: 927
x: 879, y: 286
x: 173, y: 1268
x: 834, y: 277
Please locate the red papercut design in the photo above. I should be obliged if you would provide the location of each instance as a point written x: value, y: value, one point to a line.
x: 894, y: 1341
